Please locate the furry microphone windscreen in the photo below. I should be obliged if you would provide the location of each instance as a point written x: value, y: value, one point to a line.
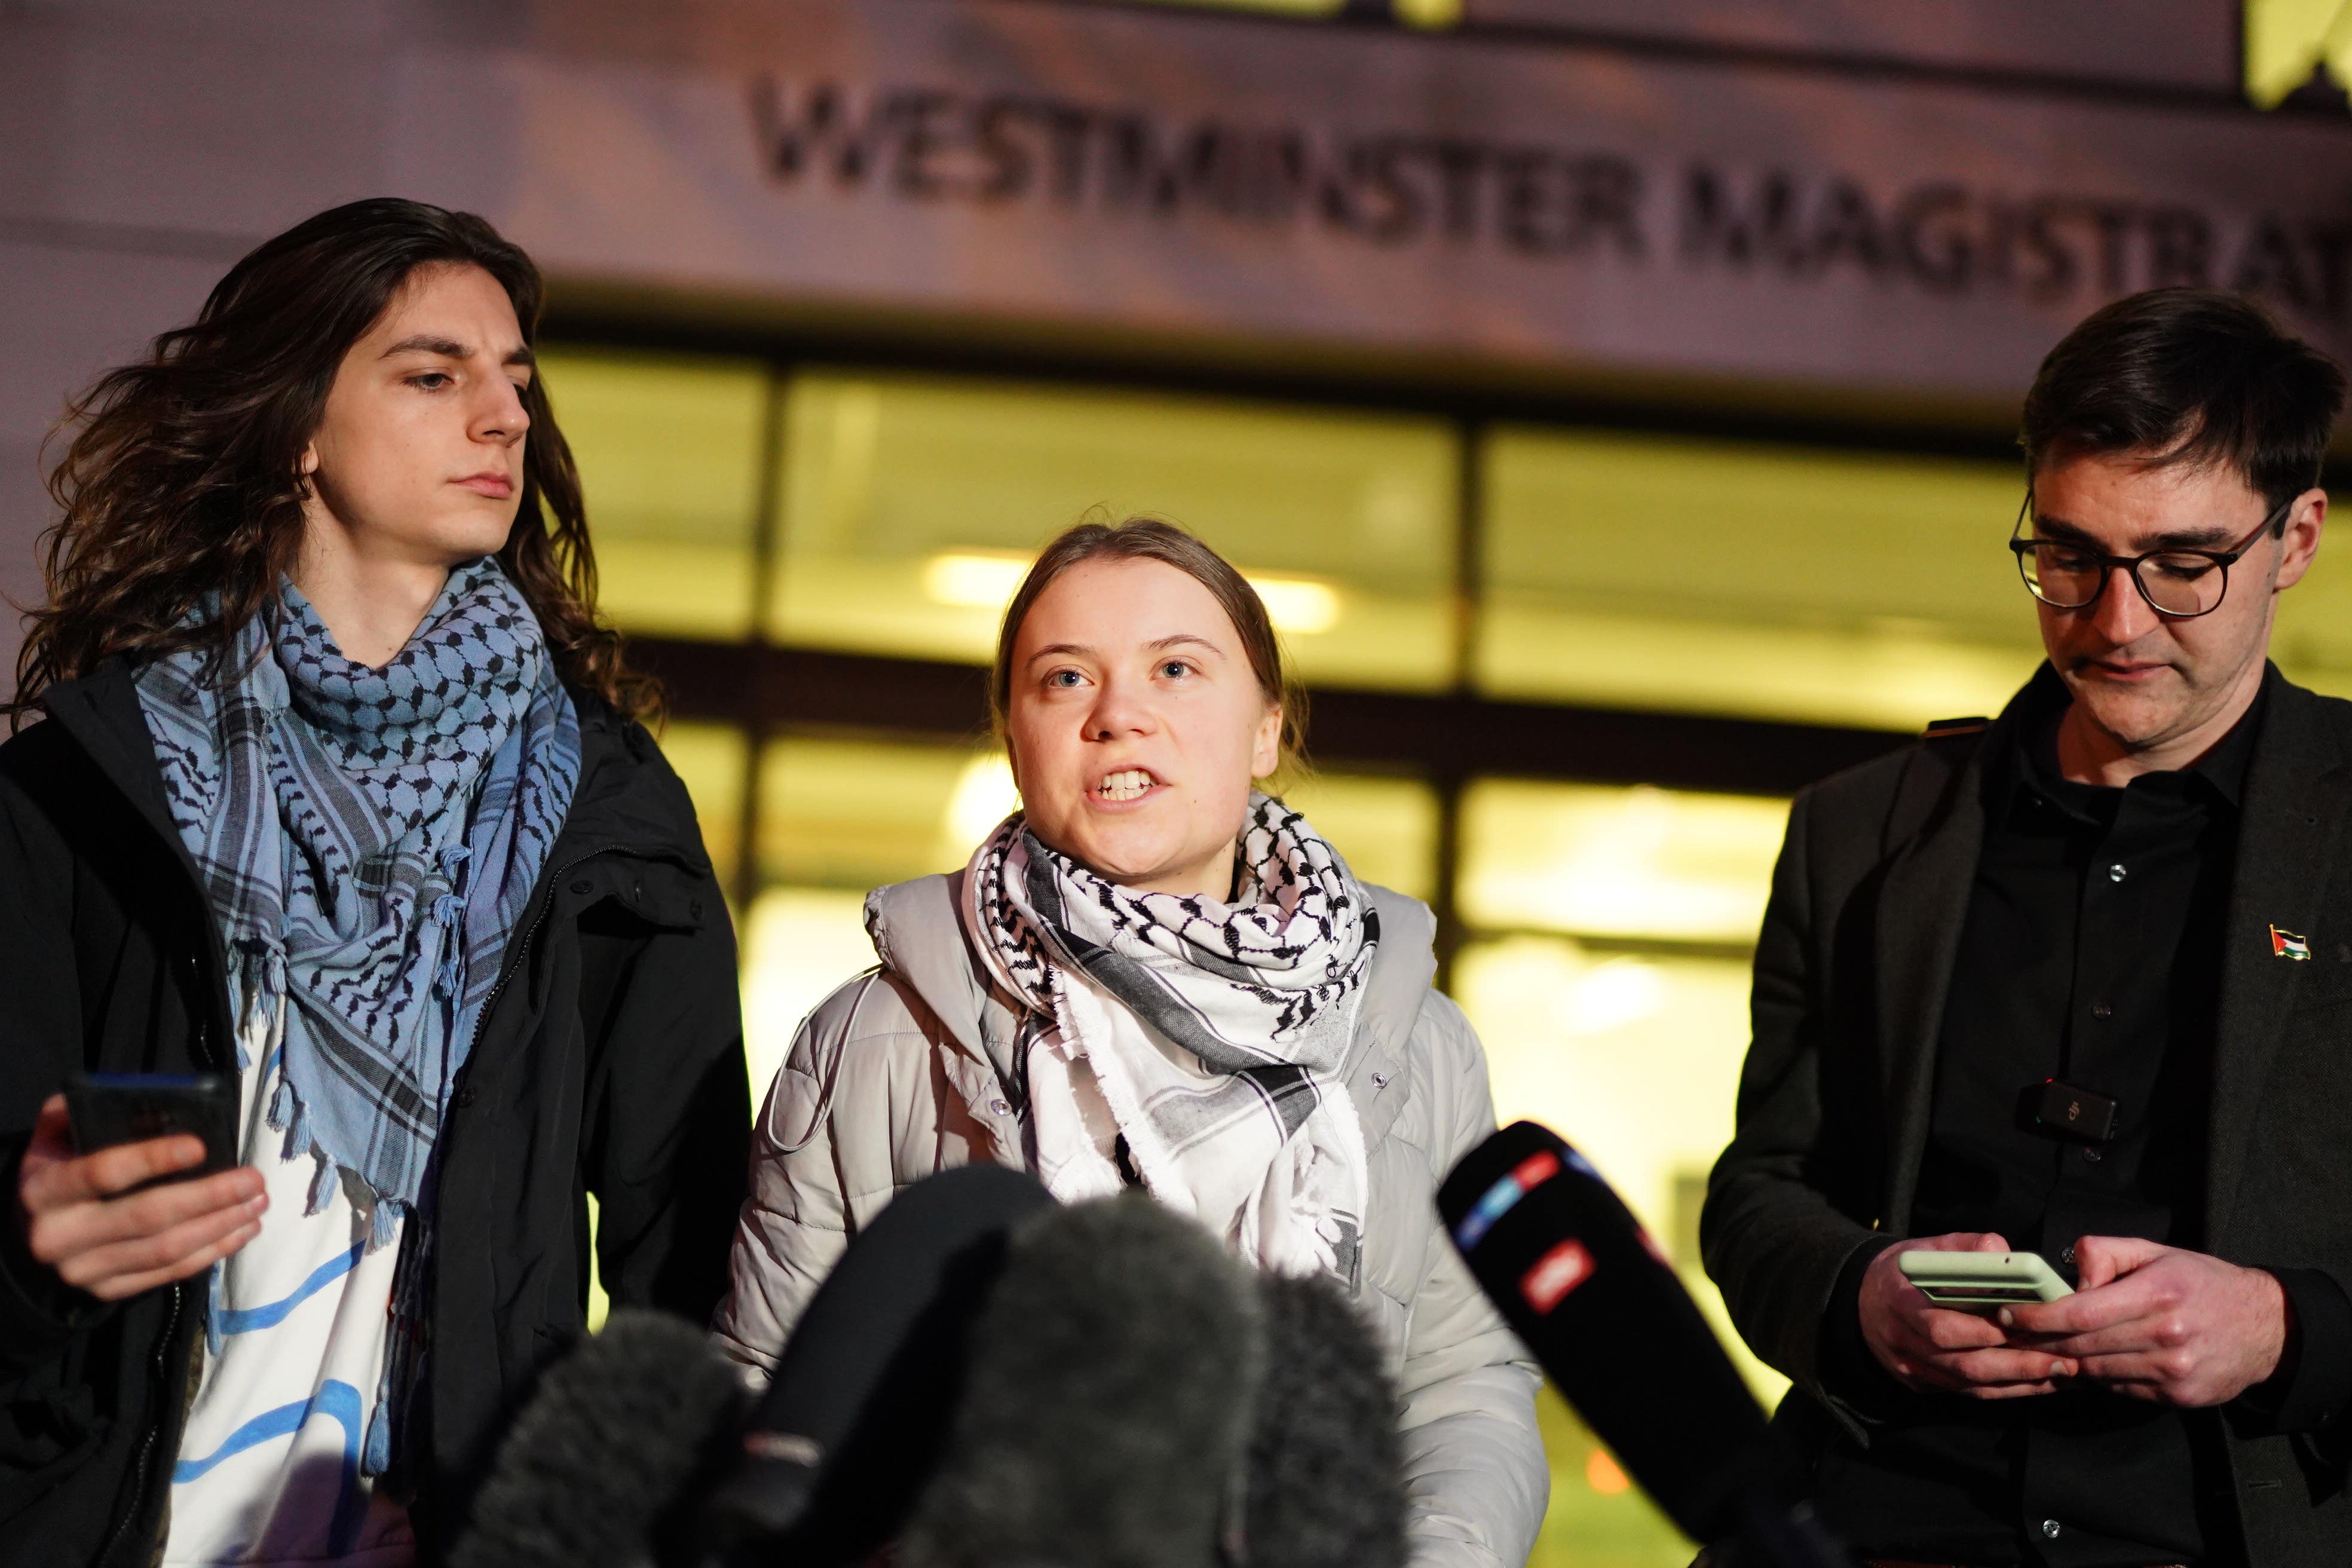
x: 1326, y: 1469
x: 614, y: 1439
x: 1107, y: 1404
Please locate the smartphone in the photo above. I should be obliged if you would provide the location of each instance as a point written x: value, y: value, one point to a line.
x: 1982, y: 1281
x: 107, y: 1109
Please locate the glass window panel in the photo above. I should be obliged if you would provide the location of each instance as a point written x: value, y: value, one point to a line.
x: 668, y: 448
x: 859, y: 814
x: 1645, y: 863
x: 1632, y: 1057
x: 1777, y: 581
x: 912, y: 506
x: 799, y: 945
x: 2313, y: 638
x: 838, y: 817
x: 710, y: 761
x: 1386, y: 829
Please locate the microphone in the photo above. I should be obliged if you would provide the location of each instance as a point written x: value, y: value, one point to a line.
x: 617, y: 1432
x: 988, y: 1380
x: 856, y: 1414
x: 1591, y: 1294
x: 1113, y: 1376
x: 1139, y: 1398
x: 1325, y: 1466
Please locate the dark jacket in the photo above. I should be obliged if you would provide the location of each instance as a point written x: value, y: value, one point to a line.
x: 609, y: 1060
x: 1852, y: 970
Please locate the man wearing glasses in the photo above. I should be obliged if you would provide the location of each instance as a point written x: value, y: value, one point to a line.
x: 2079, y: 983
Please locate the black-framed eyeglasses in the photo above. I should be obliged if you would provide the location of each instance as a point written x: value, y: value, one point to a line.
x: 2181, y: 583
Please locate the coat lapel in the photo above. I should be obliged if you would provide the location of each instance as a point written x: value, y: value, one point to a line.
x: 1922, y: 904
x: 2298, y: 796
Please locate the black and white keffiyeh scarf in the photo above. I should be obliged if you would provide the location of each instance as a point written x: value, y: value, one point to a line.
x: 1208, y: 1037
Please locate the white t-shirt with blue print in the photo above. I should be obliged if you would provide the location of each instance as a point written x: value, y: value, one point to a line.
x: 268, y: 1471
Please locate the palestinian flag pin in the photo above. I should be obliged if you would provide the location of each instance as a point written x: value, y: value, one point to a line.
x: 2286, y: 944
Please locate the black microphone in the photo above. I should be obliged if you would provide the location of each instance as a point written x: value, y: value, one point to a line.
x: 1580, y: 1280
x: 1105, y: 1417
x: 856, y: 1415
x: 636, y: 1449
x: 992, y: 1381
x: 1326, y: 1465
x: 1139, y: 1398
x: 618, y: 1432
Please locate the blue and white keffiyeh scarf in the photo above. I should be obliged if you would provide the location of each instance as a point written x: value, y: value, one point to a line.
x: 1213, y: 1035
x: 368, y: 840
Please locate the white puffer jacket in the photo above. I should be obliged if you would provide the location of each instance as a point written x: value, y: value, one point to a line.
x: 896, y: 1076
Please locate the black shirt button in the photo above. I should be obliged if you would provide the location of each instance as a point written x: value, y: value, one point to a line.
x: 582, y: 885
x: 2067, y: 1257
x: 466, y: 1095
x: 2116, y: 873
x: 2101, y: 1010
x: 2050, y: 1529
x: 2093, y: 1155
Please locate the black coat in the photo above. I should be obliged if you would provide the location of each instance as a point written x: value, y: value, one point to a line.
x: 610, y: 1061
x: 1852, y: 971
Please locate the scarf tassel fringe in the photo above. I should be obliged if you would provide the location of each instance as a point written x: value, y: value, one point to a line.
x: 375, y: 1453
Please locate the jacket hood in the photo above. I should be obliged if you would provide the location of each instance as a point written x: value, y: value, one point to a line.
x: 918, y: 933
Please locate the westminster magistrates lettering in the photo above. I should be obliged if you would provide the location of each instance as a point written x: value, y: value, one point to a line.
x: 1594, y: 205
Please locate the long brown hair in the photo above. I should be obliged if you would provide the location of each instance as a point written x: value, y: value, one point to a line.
x: 181, y: 495
x: 1151, y: 539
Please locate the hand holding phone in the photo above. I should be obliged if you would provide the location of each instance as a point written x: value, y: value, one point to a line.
x: 108, y: 1110
x: 1981, y: 1282
x: 1940, y: 1349
x: 122, y: 1219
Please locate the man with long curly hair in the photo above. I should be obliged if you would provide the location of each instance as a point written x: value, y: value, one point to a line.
x: 339, y: 792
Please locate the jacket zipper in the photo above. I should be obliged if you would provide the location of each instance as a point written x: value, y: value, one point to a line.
x: 147, y: 1441
x: 521, y: 949
x: 159, y: 1369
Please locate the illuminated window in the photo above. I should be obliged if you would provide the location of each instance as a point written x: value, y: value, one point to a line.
x: 837, y: 818
x: 913, y: 506
x: 668, y: 449
x: 1609, y: 977
x: 1595, y: 861
x: 709, y: 759
x: 1634, y: 1057
x: 1662, y: 572
x: 857, y: 814
x: 1386, y: 829
x: 2288, y: 42
x: 2312, y: 641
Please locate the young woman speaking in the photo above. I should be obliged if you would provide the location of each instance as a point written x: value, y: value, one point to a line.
x: 1154, y: 975
x: 339, y: 792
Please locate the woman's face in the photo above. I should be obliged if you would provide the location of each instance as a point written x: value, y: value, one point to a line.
x: 1136, y: 726
x: 418, y: 458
